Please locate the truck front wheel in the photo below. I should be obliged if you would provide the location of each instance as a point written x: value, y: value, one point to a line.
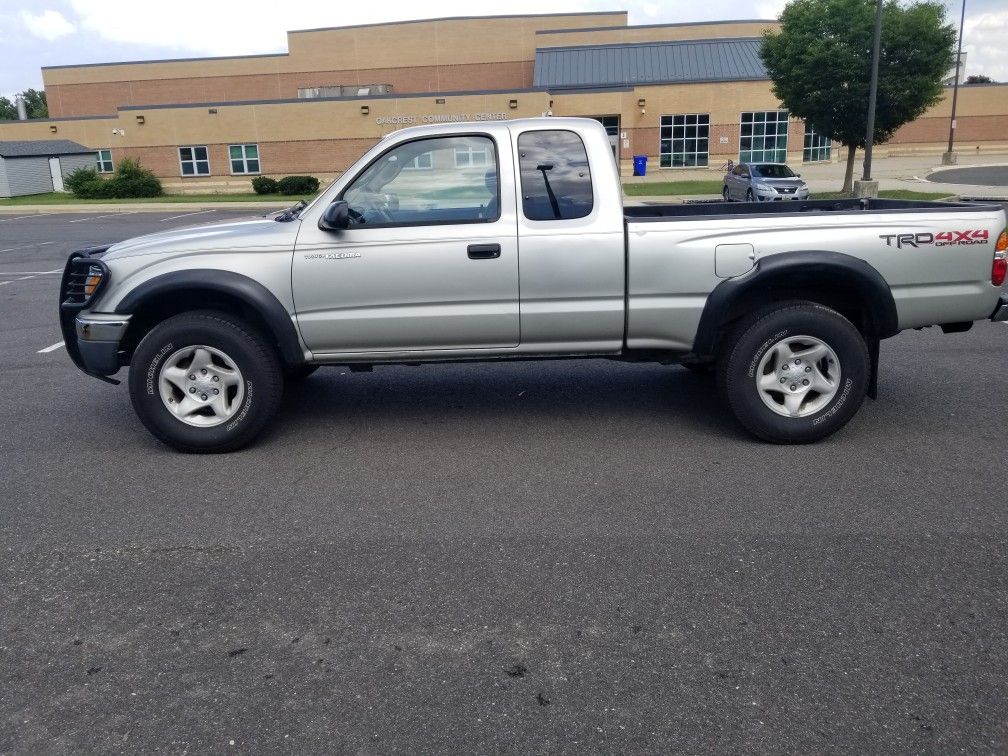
x: 794, y: 374
x: 205, y: 382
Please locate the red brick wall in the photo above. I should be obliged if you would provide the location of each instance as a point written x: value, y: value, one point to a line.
x: 309, y: 157
x: 991, y: 128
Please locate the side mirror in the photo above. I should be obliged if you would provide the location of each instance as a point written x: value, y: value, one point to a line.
x: 336, y: 217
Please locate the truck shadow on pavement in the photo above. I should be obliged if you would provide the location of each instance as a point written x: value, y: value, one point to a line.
x: 590, y: 395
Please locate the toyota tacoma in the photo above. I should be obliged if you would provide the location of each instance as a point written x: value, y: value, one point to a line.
x: 509, y: 240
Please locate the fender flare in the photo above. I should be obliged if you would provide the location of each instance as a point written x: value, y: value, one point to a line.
x: 844, y: 272
x: 250, y: 292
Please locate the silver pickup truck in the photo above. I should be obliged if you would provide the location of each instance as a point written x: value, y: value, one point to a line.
x: 509, y: 240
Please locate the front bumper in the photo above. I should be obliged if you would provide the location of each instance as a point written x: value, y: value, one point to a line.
x: 1000, y: 314
x: 776, y: 197
x: 97, y: 340
x: 92, y: 340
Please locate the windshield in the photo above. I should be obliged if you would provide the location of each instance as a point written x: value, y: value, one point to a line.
x: 772, y: 170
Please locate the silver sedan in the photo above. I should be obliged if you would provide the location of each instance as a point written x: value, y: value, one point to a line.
x: 763, y: 182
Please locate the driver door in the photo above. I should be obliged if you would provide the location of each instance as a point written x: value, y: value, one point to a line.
x: 429, y: 262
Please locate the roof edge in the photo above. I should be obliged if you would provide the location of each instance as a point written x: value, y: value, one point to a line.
x: 660, y: 43
x: 350, y: 98
x: 463, y: 18
x: 167, y: 60
x: 660, y: 26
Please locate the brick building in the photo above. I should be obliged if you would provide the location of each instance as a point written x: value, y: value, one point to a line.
x: 686, y: 95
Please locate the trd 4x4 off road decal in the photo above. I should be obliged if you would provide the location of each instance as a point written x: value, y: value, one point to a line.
x: 941, y: 239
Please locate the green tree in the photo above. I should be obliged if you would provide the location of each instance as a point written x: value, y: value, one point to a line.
x: 820, y: 65
x: 978, y: 79
x: 8, y: 110
x: 35, y: 103
x: 35, y: 106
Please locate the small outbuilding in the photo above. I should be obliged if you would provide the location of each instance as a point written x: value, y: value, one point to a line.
x: 38, y: 166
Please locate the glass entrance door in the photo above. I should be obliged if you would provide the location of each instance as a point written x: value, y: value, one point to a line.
x: 611, y: 123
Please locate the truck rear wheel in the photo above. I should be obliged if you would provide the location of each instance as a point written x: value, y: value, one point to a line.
x: 794, y: 374
x: 205, y: 382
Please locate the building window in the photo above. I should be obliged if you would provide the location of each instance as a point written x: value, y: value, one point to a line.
x: 817, y: 147
x: 763, y: 137
x: 422, y: 162
x: 194, y: 161
x: 471, y: 157
x: 555, y: 178
x: 684, y: 140
x: 244, y: 158
x: 104, y: 159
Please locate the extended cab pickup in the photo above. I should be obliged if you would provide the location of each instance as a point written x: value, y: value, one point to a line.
x: 508, y: 240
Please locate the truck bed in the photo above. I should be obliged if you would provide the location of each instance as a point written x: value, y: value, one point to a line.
x: 700, y: 209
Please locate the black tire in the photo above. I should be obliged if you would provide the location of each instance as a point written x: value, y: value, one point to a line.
x: 744, y: 349
x: 298, y: 373
x: 725, y: 195
x: 258, y: 362
x: 749, y: 196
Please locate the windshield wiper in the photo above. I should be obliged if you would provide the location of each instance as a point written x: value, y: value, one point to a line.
x: 291, y: 212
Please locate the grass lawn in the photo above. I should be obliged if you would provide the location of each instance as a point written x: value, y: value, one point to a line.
x: 652, y: 188
x: 59, y: 198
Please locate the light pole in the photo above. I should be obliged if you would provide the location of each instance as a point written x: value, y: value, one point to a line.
x: 866, y: 187
x: 949, y: 158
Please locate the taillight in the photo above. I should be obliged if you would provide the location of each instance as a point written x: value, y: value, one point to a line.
x: 999, y: 270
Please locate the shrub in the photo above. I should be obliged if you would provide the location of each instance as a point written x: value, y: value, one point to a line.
x: 130, y: 180
x: 265, y: 185
x: 133, y: 180
x: 79, y: 180
x: 298, y: 185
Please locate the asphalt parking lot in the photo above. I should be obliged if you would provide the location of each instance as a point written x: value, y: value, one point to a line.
x: 989, y: 175
x: 567, y: 557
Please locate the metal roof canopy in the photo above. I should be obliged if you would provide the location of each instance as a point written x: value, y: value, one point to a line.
x: 42, y: 148
x: 685, y: 61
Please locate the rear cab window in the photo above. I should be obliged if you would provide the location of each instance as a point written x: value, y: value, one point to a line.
x: 555, y: 177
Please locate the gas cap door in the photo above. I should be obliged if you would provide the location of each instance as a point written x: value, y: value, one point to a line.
x: 732, y: 260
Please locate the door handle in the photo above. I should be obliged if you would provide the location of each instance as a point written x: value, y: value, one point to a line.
x: 484, y: 251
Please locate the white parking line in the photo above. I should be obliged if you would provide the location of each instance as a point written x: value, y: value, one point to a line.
x: 52, y: 348
x: 25, y: 278
x: 27, y: 246
x: 186, y: 215
x: 20, y: 217
x: 97, y: 217
x: 31, y: 272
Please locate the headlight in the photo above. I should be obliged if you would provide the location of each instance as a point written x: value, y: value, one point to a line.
x: 763, y: 187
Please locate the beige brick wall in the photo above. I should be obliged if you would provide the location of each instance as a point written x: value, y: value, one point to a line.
x: 424, y: 56
x: 103, y: 98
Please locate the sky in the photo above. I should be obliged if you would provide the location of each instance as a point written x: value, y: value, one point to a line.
x: 37, y: 33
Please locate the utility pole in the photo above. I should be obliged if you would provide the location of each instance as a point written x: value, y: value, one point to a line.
x: 866, y: 187
x: 949, y: 158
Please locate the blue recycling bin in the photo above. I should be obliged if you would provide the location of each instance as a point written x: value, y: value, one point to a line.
x: 639, y: 165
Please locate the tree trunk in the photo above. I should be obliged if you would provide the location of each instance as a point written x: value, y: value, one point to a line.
x: 848, y: 181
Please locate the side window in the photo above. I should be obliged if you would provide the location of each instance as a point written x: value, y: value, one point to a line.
x: 425, y: 182
x: 104, y: 158
x: 194, y: 161
x: 555, y: 178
